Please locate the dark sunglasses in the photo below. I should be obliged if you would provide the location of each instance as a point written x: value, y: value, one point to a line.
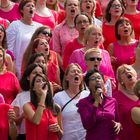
x: 95, y: 58
x: 47, y: 33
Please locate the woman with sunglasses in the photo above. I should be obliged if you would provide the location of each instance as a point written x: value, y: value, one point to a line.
x: 93, y: 38
x: 93, y: 59
x: 123, y: 50
x: 126, y: 98
x: 99, y: 113
x: 42, y: 114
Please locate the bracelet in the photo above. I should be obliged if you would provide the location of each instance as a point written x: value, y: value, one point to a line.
x: 41, y: 105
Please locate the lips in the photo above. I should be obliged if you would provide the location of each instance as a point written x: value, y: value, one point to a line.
x: 72, y: 11
x: 87, y: 7
x: 125, y: 31
x: 31, y: 11
x: 129, y: 76
x: 46, y: 49
x: 76, y: 78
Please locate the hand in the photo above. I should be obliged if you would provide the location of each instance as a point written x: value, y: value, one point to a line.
x: 97, y: 95
x: 43, y: 89
x: 11, y: 115
x: 56, y: 87
x: 54, y: 128
x: 117, y: 127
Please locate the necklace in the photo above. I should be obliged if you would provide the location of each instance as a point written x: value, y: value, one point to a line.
x: 4, y: 7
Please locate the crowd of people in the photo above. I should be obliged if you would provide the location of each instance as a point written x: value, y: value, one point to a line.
x: 70, y: 69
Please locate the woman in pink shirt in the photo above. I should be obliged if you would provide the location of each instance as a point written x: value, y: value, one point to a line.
x: 9, y: 10
x: 93, y: 39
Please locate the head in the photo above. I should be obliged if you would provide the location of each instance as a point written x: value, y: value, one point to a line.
x: 131, y: 2
x: 123, y: 27
x: 93, y: 58
x: 71, y: 7
x: 126, y: 76
x: 114, y: 7
x: 39, y: 82
x: 88, y: 6
x: 73, y: 76
x: 53, y: 4
x: 3, y: 37
x: 93, y: 36
x: 94, y: 78
x: 27, y: 7
x: 137, y: 89
x: 41, y: 45
x: 2, y: 57
x: 38, y: 58
x: 29, y: 74
x: 82, y: 21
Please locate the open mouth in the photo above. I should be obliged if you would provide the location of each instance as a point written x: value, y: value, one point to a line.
x: 96, y: 42
x: 129, y: 76
x: 73, y: 11
x: 31, y: 11
x: 125, y: 31
x: 46, y: 49
x: 133, y: 0
x: 87, y: 7
x: 95, y: 66
x: 76, y: 78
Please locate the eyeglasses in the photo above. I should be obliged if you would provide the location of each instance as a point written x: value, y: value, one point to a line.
x: 47, y: 33
x: 94, y: 58
x: 116, y: 5
x: 95, y: 78
x: 80, y: 22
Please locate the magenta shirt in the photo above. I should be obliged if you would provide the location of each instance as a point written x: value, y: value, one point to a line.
x: 11, y: 15
x: 125, y: 104
x: 105, y: 66
x: 98, y: 121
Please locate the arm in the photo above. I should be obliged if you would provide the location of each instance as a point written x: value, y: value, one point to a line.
x: 135, y: 114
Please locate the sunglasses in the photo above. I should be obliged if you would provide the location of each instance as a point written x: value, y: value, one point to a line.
x: 47, y: 33
x: 95, y: 58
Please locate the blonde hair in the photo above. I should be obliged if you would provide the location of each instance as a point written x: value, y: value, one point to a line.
x: 137, y: 89
x: 92, y: 50
x: 88, y: 31
x: 65, y: 82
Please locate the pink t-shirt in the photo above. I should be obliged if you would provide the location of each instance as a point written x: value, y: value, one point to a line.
x: 47, y: 21
x: 62, y: 35
x: 105, y: 66
x: 11, y: 15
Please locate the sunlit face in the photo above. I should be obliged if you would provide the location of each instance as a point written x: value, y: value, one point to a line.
x: 1, y: 35
x: 72, y: 8
x: 116, y: 8
x: 95, y: 37
x: 125, y: 29
x: 74, y: 76
x: 51, y: 2
x: 128, y: 75
x: 43, y: 46
x: 82, y: 23
x: 37, y: 70
x: 28, y: 10
x: 38, y: 85
x: 41, y: 61
x: 88, y: 6
x: 95, y: 79
x: 93, y: 61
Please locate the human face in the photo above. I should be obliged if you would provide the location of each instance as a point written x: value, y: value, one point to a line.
x: 95, y: 79
x: 72, y: 8
x: 40, y: 60
x: 74, y: 76
x: 116, y: 8
x: 37, y: 70
x: 125, y: 29
x: 95, y: 38
x: 128, y: 75
x: 38, y: 85
x: 28, y: 10
x: 1, y: 35
x: 82, y: 23
x: 93, y: 61
x: 43, y: 46
x: 45, y: 34
x: 88, y: 6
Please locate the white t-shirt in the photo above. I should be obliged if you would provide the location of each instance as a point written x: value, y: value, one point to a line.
x: 21, y: 99
x: 72, y: 125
